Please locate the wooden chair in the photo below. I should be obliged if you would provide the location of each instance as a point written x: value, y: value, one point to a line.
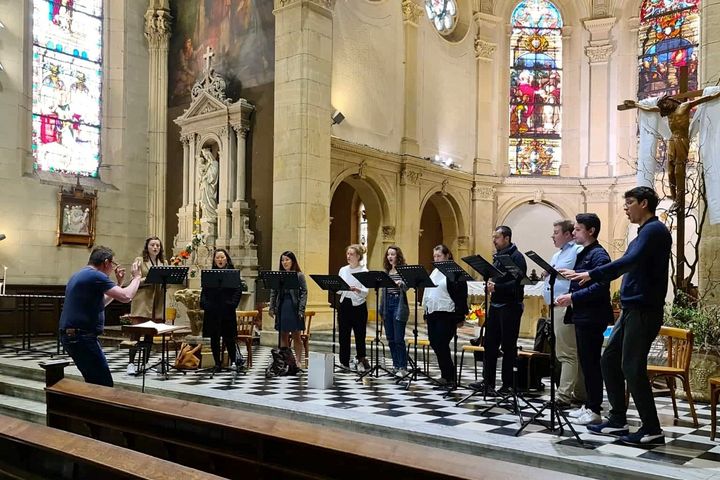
x: 246, y: 323
x: 679, y: 347
x: 477, y: 351
x: 714, y: 393
x: 305, y: 334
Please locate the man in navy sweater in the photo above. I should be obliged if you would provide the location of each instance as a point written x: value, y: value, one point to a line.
x: 642, y: 295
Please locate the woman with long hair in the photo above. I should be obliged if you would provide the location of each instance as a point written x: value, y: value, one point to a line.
x: 289, y: 311
x: 148, y: 302
x: 353, y: 312
x: 219, y: 319
x: 395, y: 311
x: 445, y: 309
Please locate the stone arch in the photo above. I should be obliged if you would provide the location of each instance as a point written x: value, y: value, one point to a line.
x: 452, y: 222
x: 571, y: 10
x: 506, y: 208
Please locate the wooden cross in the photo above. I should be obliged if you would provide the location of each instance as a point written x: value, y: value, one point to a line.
x: 208, y: 58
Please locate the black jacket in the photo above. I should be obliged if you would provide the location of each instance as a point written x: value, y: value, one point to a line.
x: 219, y: 305
x: 591, y: 302
x: 459, y: 293
x: 507, y: 288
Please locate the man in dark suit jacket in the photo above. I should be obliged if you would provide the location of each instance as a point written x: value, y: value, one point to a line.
x: 588, y: 307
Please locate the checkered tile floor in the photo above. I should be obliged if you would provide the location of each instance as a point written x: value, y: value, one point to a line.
x: 421, y: 408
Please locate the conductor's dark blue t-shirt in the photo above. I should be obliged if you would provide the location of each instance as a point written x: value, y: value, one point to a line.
x: 84, y: 306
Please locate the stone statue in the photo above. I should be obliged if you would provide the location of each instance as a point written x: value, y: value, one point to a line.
x: 678, y: 146
x: 249, y: 236
x: 209, y: 176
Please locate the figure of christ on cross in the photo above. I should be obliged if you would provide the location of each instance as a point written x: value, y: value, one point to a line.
x: 678, y: 146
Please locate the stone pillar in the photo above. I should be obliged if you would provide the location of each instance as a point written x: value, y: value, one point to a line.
x: 408, y: 201
x: 226, y: 186
x: 484, y: 209
x: 488, y: 130
x: 598, y: 51
x: 412, y: 12
x: 157, y: 32
x: 301, y: 164
x: 709, y: 270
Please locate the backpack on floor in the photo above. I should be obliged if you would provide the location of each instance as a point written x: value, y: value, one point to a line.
x: 283, y: 363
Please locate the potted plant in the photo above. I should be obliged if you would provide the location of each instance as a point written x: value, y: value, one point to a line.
x: 616, y: 306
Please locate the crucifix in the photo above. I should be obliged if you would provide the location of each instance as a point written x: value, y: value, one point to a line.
x: 677, y: 108
x: 208, y: 58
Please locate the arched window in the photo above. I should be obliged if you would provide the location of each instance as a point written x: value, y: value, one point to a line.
x: 668, y: 46
x: 66, y: 86
x: 535, y: 86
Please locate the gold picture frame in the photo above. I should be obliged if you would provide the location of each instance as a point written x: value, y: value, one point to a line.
x: 76, y: 217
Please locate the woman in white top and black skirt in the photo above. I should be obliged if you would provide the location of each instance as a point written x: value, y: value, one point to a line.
x: 353, y: 312
x: 445, y: 309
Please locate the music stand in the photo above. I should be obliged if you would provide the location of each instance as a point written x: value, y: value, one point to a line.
x: 415, y: 277
x: 488, y: 272
x: 514, y: 270
x: 165, y: 275
x: 454, y: 273
x: 552, y: 403
x: 279, y: 281
x: 332, y: 284
x: 375, y: 279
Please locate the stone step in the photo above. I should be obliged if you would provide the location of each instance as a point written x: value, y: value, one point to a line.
x: 23, y: 409
x: 24, y: 388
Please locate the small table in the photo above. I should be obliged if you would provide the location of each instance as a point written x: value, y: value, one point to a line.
x: 152, y: 328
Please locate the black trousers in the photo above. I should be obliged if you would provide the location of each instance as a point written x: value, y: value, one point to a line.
x: 589, y: 348
x: 501, y: 329
x: 625, y: 358
x: 352, y: 319
x: 441, y: 329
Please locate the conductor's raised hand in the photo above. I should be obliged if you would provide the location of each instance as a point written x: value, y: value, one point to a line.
x: 119, y: 274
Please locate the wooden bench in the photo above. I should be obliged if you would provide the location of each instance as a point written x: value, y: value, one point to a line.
x: 29, y: 450
x: 239, y: 444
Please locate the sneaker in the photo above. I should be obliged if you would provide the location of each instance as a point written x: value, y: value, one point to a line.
x: 609, y: 428
x: 131, y: 369
x: 483, y: 388
x: 365, y: 365
x: 401, y: 373
x: 563, y: 404
x: 505, y: 390
x: 642, y: 437
x: 588, y: 418
x: 577, y: 413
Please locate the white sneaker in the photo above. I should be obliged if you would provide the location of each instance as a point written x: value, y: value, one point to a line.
x: 401, y: 373
x: 577, y: 413
x: 131, y: 369
x: 588, y: 418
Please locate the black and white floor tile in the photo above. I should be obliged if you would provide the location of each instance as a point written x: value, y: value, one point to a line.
x: 421, y: 408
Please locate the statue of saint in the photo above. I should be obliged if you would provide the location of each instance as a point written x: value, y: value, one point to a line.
x: 678, y: 146
x: 249, y: 236
x: 209, y: 175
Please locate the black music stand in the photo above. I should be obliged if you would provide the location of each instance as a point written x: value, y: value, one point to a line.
x: 165, y: 275
x: 415, y: 277
x: 332, y: 284
x: 454, y: 273
x: 375, y: 279
x: 555, y: 412
x: 279, y: 281
x: 488, y: 272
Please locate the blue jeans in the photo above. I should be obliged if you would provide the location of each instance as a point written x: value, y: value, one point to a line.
x: 395, y: 331
x: 86, y: 352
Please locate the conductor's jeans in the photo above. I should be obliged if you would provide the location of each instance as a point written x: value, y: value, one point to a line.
x: 625, y: 358
x: 441, y: 329
x: 352, y: 318
x: 86, y: 352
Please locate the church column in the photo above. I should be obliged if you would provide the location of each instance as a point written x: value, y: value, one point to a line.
x: 409, y: 198
x: 241, y: 135
x: 412, y: 12
x: 598, y: 51
x: 157, y: 32
x: 301, y: 164
x: 226, y: 157
x: 486, y: 148
x: 185, y: 210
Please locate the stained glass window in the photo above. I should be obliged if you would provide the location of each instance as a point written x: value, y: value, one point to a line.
x: 668, y: 44
x: 442, y: 14
x: 535, y: 86
x: 66, y: 85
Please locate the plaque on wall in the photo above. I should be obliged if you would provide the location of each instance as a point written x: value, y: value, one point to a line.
x: 76, y: 217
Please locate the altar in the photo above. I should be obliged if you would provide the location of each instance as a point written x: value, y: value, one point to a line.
x: 535, y: 307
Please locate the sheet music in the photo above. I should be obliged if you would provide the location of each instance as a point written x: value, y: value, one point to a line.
x: 160, y: 328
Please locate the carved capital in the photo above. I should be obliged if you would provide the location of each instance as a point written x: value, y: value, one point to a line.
x: 388, y: 233
x: 599, y: 54
x: 484, y: 50
x: 157, y: 28
x: 241, y: 131
x: 600, y: 8
x: 327, y: 4
x: 362, y: 170
x: 408, y: 176
x: 411, y: 11
x: 185, y: 139
x: 483, y: 193
x: 597, y: 195
x: 463, y: 241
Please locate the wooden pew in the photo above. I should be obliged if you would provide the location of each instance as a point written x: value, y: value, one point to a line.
x: 239, y: 444
x: 32, y: 451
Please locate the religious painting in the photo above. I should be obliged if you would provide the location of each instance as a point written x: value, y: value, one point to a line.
x: 240, y: 32
x: 535, y: 89
x: 668, y: 47
x: 76, y: 217
x: 66, y: 86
